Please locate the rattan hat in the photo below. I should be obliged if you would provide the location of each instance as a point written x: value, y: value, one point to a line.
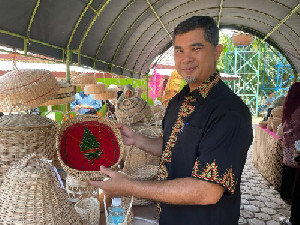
x: 109, y: 94
x: 132, y: 110
x: 64, y: 95
x: 24, y: 134
x: 87, y: 142
x: 95, y: 88
x: 26, y: 88
x: 31, y: 194
x: 79, y: 79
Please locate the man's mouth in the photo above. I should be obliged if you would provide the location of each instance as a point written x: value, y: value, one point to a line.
x: 189, y: 69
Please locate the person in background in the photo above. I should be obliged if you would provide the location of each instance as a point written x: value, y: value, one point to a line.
x: 129, y: 92
x: 290, y: 186
x: 207, y: 131
x: 85, y: 104
x: 269, y: 101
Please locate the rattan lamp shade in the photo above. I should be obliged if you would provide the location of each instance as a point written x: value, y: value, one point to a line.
x: 95, y: 88
x: 26, y: 88
x: 64, y: 95
x: 31, y: 194
x: 109, y: 94
x: 24, y: 134
x: 79, y: 79
x: 133, y: 110
x: 87, y: 142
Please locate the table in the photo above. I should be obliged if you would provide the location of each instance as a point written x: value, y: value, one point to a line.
x: 267, y: 155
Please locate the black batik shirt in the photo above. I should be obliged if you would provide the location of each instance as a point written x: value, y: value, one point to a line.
x: 206, y: 135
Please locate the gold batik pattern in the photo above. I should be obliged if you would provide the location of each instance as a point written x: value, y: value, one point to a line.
x: 211, y: 173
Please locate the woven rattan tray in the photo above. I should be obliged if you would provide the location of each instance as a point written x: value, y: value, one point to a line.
x: 85, y: 143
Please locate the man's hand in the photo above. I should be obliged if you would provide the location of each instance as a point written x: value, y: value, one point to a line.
x: 117, y: 185
x: 128, y: 135
x: 77, y: 107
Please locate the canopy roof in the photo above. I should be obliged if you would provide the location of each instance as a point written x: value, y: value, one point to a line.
x: 125, y: 36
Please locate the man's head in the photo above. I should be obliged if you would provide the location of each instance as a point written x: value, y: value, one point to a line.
x: 271, y: 95
x: 196, y: 49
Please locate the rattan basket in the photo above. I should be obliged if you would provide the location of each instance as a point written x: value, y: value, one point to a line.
x: 133, y: 110
x: 79, y: 79
x: 78, y: 190
x: 89, y: 210
x: 31, y: 194
x: 24, y: 134
x: 64, y: 95
x: 109, y: 94
x: 95, y: 88
x: 27, y: 88
x: 107, y: 131
x: 277, y: 112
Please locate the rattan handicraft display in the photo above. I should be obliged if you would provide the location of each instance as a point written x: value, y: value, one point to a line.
x: 31, y: 194
x: 27, y: 88
x: 79, y: 79
x: 87, y: 142
x: 24, y: 134
x: 65, y: 94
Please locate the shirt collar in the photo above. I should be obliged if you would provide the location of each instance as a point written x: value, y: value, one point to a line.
x: 204, y: 87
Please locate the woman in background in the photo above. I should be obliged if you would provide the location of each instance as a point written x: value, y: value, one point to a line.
x: 290, y: 187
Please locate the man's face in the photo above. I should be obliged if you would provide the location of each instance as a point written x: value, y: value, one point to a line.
x: 128, y: 94
x: 195, y: 58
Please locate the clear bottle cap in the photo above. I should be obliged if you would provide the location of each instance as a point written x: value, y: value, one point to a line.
x: 116, y: 202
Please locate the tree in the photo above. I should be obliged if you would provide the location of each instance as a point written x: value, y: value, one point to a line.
x: 90, y: 146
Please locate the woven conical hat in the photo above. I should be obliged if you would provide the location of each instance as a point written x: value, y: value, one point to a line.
x: 133, y: 110
x: 31, y: 194
x: 26, y: 88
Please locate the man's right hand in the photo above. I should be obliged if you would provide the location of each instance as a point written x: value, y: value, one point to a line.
x: 128, y: 135
x: 77, y: 107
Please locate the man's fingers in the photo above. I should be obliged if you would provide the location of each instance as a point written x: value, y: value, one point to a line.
x: 107, y: 171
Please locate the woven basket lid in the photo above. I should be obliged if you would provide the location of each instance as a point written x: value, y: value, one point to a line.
x: 133, y: 110
x: 87, y: 142
x: 95, y: 88
x: 24, y: 121
x: 31, y: 194
x: 80, y: 79
x: 26, y: 88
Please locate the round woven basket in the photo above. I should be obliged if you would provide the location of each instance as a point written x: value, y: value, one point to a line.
x: 86, y: 142
x: 31, y: 194
x: 95, y: 88
x: 109, y: 94
x: 24, y: 134
x: 133, y: 110
x: 64, y: 95
x: 89, y: 210
x: 79, y: 79
x: 277, y: 112
x: 27, y: 88
x: 77, y: 189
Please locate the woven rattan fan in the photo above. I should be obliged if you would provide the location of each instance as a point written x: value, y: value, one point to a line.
x: 26, y: 88
x: 85, y: 143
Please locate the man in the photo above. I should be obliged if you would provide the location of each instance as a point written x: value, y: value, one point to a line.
x: 85, y: 104
x: 207, y: 131
x: 269, y: 102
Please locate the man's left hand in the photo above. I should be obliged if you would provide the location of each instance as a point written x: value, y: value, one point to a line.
x: 117, y: 185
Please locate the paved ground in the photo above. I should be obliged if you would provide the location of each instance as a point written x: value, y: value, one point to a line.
x: 261, y: 204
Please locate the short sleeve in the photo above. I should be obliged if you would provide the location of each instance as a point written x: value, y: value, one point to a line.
x: 223, y: 150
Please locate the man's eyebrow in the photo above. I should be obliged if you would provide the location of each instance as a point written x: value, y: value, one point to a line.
x: 177, y: 47
x: 197, y: 44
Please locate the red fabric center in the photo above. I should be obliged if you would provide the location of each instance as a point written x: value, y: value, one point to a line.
x: 78, y: 149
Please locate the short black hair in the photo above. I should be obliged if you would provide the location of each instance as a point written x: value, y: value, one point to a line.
x: 211, y: 31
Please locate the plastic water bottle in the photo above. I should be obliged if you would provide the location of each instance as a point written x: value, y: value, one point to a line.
x: 116, y: 212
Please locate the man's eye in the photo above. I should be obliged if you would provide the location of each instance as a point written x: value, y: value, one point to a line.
x: 178, y: 51
x: 196, y: 49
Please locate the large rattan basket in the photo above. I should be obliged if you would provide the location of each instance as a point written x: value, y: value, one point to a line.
x: 26, y: 88
x: 95, y: 88
x: 24, y: 134
x: 102, y: 130
x: 108, y: 94
x: 89, y: 210
x: 31, y: 194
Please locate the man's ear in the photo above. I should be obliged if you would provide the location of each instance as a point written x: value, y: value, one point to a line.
x: 219, y: 49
